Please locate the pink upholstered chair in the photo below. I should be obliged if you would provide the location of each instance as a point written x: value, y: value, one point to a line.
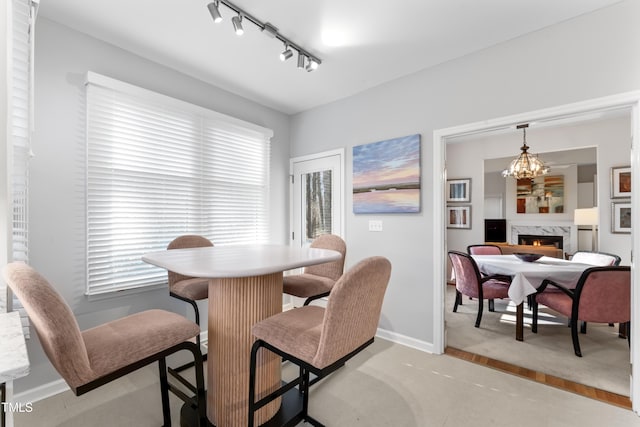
x: 185, y: 288
x: 602, y: 295
x: 89, y: 359
x: 470, y: 283
x: 484, y: 250
x: 321, y: 340
x: 600, y: 259
x: 316, y: 281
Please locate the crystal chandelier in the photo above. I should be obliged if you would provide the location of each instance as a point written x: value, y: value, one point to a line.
x: 526, y: 165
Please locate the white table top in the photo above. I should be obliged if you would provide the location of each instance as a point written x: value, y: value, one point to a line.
x: 238, y: 261
x: 14, y: 361
x: 528, y: 276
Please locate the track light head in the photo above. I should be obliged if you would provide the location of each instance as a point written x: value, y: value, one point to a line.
x: 312, y: 65
x: 286, y: 53
x: 301, y: 61
x: 214, y: 11
x: 237, y: 24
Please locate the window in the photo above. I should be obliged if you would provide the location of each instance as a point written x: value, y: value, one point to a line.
x: 23, y: 13
x: 157, y: 168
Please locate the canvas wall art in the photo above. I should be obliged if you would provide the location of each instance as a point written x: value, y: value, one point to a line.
x: 540, y: 195
x: 386, y: 176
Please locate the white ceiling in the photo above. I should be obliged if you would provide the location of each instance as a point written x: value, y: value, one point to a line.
x: 379, y: 40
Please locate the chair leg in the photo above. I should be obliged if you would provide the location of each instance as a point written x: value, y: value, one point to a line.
x: 315, y: 297
x: 534, y: 315
x: 583, y: 327
x: 574, y: 337
x: 622, y: 330
x: 492, y: 306
x: 480, y: 307
x: 458, y: 301
x: 252, y: 382
x: 164, y: 393
x: 201, y: 394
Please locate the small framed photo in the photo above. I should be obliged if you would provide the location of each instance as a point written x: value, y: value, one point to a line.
x: 459, y: 216
x: 621, y: 217
x: 621, y: 182
x: 459, y: 190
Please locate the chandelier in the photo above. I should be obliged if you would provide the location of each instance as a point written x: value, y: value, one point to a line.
x: 526, y: 165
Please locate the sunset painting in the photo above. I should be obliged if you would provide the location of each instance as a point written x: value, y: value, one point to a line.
x: 386, y: 176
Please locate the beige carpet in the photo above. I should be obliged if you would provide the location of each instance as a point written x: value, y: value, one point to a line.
x: 605, y: 357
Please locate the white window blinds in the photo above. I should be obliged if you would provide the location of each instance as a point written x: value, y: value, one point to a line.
x: 157, y: 168
x: 23, y: 14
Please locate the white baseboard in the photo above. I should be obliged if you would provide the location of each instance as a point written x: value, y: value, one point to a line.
x: 41, y: 392
x: 405, y: 340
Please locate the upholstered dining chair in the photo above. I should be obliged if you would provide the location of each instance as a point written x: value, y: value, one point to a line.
x: 600, y: 259
x: 469, y: 282
x: 484, y: 250
x: 316, y: 281
x: 185, y: 288
x: 320, y: 340
x: 602, y: 295
x: 91, y: 358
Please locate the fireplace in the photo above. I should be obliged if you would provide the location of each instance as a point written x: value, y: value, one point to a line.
x: 530, y: 239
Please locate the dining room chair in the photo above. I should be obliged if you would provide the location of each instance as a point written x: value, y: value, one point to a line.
x: 484, y: 250
x: 320, y: 340
x: 186, y: 288
x: 316, y: 281
x: 602, y: 295
x: 94, y: 357
x: 600, y: 259
x: 469, y: 282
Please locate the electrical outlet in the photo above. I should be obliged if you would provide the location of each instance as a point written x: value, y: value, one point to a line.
x: 375, y: 225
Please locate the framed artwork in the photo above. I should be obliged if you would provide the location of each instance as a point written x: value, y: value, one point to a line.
x: 621, y: 182
x: 540, y: 195
x: 386, y: 176
x: 459, y: 216
x: 621, y: 217
x: 459, y: 190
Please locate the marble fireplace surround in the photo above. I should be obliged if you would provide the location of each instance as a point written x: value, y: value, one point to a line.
x: 543, y: 230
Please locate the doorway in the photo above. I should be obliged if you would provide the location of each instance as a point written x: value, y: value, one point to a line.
x: 629, y: 101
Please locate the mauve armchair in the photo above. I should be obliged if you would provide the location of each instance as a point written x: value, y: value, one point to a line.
x: 602, y: 295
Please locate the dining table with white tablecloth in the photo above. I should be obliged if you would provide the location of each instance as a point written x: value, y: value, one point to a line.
x: 526, y: 277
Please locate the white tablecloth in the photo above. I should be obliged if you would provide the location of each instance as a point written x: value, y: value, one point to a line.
x: 528, y: 276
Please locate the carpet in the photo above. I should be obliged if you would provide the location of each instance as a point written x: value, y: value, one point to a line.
x: 605, y: 361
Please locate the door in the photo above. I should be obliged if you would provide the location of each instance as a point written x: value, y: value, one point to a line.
x: 316, y: 196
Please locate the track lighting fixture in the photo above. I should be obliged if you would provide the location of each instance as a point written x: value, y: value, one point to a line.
x: 301, y: 60
x: 305, y: 59
x: 237, y: 25
x: 286, y: 53
x: 214, y: 11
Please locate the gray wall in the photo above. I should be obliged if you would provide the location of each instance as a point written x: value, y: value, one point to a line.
x: 588, y: 57
x: 57, y: 216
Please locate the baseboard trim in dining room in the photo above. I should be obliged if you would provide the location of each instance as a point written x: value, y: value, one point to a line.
x: 540, y: 377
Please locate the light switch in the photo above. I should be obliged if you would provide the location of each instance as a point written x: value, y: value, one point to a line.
x: 375, y: 225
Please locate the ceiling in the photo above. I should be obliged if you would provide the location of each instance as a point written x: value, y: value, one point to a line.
x: 362, y: 43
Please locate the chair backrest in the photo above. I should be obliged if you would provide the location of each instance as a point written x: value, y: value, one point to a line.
x: 601, y: 259
x: 185, y: 242
x: 353, y: 310
x: 334, y: 269
x: 466, y: 273
x: 484, y: 250
x: 603, y: 295
x: 53, y: 321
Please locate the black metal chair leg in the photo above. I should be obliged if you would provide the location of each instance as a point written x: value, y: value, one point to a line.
x: 458, y: 301
x: 583, y: 327
x: 164, y: 392
x: 534, y: 316
x: 492, y: 306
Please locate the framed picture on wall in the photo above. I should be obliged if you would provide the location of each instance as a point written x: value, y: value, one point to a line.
x: 459, y: 216
x: 621, y: 217
x: 620, y: 182
x: 459, y: 190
